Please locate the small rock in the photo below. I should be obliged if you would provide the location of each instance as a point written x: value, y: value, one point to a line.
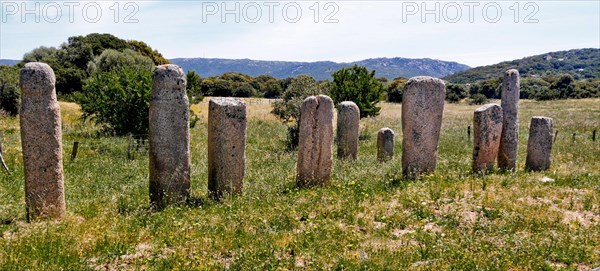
x: 547, y: 180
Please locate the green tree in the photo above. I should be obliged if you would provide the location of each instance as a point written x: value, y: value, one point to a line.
x: 10, y: 95
x: 271, y: 89
x: 456, y: 92
x: 244, y: 89
x: 145, y: 50
x: 288, y: 108
x: 194, y: 90
x: 216, y: 87
x: 565, y: 86
x: 194, y: 94
x: 114, y: 60
x: 478, y: 99
x: 71, y: 60
x: 40, y: 54
x: 532, y: 88
x: 268, y: 86
x: 395, y: 90
x: 490, y: 88
x: 359, y: 85
x: 589, y: 88
x: 118, y: 100
x: 80, y: 50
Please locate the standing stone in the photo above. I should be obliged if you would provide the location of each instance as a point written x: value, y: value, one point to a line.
x: 348, y: 124
x: 507, y: 154
x: 422, y: 111
x: 539, y: 145
x: 226, y: 146
x: 169, y: 137
x: 41, y: 139
x: 315, y: 156
x: 385, y: 144
x: 487, y: 127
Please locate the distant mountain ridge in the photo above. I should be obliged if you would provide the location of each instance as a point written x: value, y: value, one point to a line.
x: 8, y: 62
x: 320, y: 70
x: 580, y: 63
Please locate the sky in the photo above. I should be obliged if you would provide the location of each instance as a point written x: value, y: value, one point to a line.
x: 475, y: 33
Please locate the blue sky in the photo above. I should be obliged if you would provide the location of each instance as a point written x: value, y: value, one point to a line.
x: 486, y: 32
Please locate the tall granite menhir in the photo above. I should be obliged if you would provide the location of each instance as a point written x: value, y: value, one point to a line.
x: 169, y: 137
x: 226, y: 146
x: 348, y: 125
x: 315, y: 157
x: 422, y: 111
x: 539, y: 145
x: 41, y: 139
x: 487, y: 127
x: 507, y: 154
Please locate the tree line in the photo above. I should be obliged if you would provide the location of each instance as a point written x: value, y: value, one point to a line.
x: 111, y: 79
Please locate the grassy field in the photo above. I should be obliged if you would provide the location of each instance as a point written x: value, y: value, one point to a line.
x: 367, y: 218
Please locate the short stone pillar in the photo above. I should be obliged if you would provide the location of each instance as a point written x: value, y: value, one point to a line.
x: 509, y: 141
x: 315, y: 157
x: 422, y: 111
x: 41, y: 139
x: 539, y: 145
x: 169, y: 137
x: 487, y: 128
x: 348, y: 125
x: 385, y: 144
x: 226, y: 146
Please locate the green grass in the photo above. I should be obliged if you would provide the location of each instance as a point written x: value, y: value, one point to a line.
x: 367, y: 218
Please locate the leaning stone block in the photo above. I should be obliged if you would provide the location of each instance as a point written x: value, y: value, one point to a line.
x: 487, y: 127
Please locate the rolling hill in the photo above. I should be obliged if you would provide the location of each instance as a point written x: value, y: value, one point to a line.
x: 8, y: 62
x: 580, y: 63
x: 322, y: 70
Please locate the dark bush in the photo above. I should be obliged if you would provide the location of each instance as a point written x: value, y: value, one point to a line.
x: 10, y: 94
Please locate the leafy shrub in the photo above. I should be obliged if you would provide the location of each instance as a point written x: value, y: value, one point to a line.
x: 478, y: 99
x: 531, y: 88
x: 395, y: 90
x: 118, y: 100
x: 194, y: 93
x: 359, y: 85
x: 456, y: 92
x: 72, y: 59
x: 114, y: 60
x: 10, y: 95
x: 194, y: 90
x: 490, y: 88
x: 288, y: 108
x: 244, y: 89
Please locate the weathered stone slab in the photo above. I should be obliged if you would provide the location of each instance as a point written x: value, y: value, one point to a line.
x: 41, y: 139
x: 169, y: 137
x: 422, y: 111
x: 539, y: 145
x: 507, y: 154
x: 226, y: 146
x: 487, y: 127
x: 315, y: 155
x: 385, y: 144
x: 348, y: 125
